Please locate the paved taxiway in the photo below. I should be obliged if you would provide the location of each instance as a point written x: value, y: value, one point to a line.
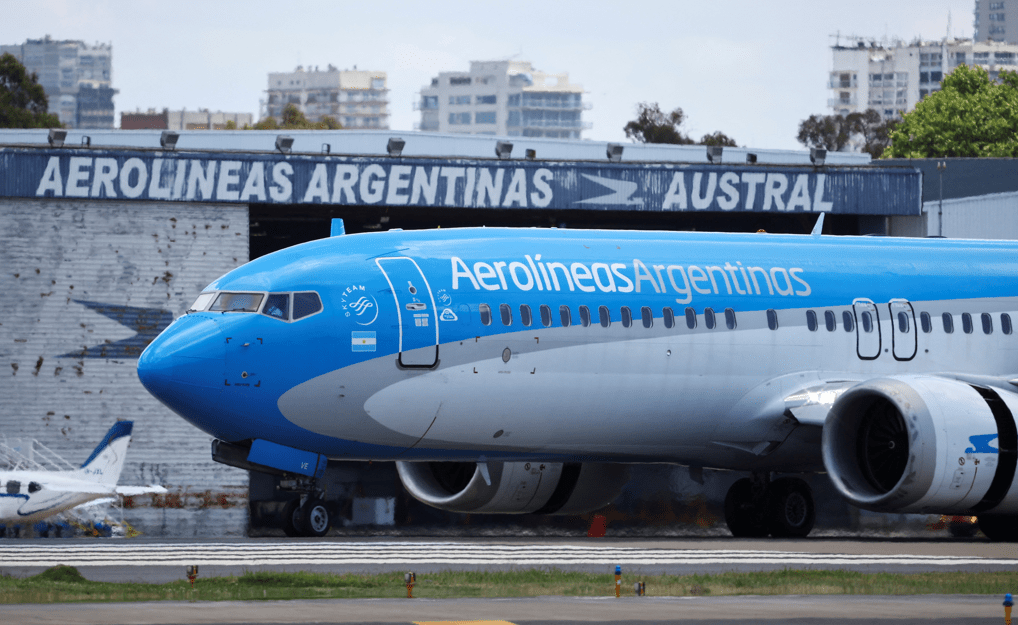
x: 829, y: 610
x: 161, y: 561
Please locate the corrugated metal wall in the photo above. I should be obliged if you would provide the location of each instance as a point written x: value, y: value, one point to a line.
x: 991, y: 216
x: 85, y: 285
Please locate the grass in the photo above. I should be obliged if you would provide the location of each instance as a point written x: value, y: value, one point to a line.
x: 63, y: 584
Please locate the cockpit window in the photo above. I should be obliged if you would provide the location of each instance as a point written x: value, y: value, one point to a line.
x: 277, y: 305
x: 202, y: 302
x: 237, y: 302
x: 305, y: 304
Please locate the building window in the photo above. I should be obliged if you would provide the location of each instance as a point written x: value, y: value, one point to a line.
x: 514, y: 99
x: 456, y: 100
x: 485, y: 99
x: 459, y: 81
x: 378, y: 83
x: 487, y: 117
x: 459, y: 118
x: 514, y: 117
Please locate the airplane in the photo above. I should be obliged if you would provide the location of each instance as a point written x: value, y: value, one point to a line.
x: 523, y: 370
x: 27, y: 496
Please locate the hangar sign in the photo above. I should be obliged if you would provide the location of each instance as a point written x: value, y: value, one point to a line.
x: 475, y: 183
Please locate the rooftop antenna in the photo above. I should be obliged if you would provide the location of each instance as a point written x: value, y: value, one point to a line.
x: 949, y: 24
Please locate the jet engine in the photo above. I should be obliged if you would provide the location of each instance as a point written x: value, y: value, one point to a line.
x: 924, y: 444
x: 514, y: 487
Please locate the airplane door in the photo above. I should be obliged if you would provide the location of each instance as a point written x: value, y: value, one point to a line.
x: 415, y: 305
x: 867, y: 329
x: 904, y: 338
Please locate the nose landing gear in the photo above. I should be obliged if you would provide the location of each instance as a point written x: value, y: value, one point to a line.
x: 305, y: 515
x: 757, y: 507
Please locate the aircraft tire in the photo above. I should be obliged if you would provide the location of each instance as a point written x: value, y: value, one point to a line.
x: 999, y: 527
x: 291, y: 519
x: 790, y: 508
x: 742, y: 513
x: 315, y: 518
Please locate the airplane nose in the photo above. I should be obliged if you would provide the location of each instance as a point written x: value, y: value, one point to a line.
x: 184, y: 368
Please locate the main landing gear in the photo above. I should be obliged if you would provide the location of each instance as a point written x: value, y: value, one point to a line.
x: 756, y: 507
x: 305, y: 515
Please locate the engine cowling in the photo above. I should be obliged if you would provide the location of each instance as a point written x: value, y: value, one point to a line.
x: 924, y: 444
x: 515, y: 487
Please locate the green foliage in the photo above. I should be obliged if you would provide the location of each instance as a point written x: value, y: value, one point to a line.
x: 61, y: 573
x: 294, y: 119
x: 971, y: 116
x: 652, y: 125
x: 833, y: 132
x: 23, y: 101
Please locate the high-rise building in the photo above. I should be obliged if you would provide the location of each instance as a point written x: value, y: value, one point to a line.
x: 996, y: 20
x: 77, y: 78
x: 506, y: 98
x: 892, y: 78
x: 356, y: 99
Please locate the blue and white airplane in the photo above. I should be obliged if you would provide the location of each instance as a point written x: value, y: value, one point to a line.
x: 522, y: 370
x: 29, y: 495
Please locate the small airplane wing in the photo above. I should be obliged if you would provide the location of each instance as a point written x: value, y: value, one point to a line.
x: 140, y: 490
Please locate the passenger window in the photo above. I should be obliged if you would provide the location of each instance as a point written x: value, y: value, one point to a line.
x: 926, y: 322
x: 848, y: 321
x: 507, y: 314
x: 690, y: 318
x: 237, y: 302
x: 903, y: 325
x: 987, y: 323
x: 566, y: 316
x: 772, y: 319
x: 34, y: 487
x: 811, y: 321
x: 627, y: 317
x: 730, y: 318
x: 485, y: 313
x: 966, y: 323
x: 13, y: 487
x: 604, y: 316
x: 867, y: 321
x: 1005, y: 323
x: 305, y: 304
x: 948, y: 323
x: 831, y: 320
x: 669, y: 316
x: 584, y: 316
x: 526, y: 318
x: 545, y: 315
x: 648, y: 317
x: 708, y: 318
x: 278, y: 305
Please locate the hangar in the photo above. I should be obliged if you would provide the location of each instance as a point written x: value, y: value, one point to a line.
x: 106, y: 236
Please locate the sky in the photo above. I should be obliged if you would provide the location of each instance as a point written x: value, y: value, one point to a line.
x: 753, y: 70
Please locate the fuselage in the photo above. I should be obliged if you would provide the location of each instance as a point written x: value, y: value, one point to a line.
x: 29, y: 496
x: 609, y: 346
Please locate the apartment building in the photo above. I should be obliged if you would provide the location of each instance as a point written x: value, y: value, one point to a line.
x: 76, y: 76
x: 200, y: 119
x: 892, y: 77
x: 995, y: 20
x: 506, y: 98
x: 354, y: 98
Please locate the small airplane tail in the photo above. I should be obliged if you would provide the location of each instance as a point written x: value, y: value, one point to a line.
x: 106, y: 462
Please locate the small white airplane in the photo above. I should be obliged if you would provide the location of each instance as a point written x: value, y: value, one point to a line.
x: 27, y: 496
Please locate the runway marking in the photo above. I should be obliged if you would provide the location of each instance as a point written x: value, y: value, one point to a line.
x: 450, y: 553
x: 463, y: 623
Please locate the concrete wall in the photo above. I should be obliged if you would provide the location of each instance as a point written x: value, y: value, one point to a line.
x: 86, y: 285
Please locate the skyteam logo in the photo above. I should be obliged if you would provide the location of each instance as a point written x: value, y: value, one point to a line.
x: 359, y: 305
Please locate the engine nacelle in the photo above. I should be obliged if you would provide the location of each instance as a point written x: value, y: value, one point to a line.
x: 515, y: 487
x: 924, y: 444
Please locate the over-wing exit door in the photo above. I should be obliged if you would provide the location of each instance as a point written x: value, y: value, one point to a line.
x: 415, y: 305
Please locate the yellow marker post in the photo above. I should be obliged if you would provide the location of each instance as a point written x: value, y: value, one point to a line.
x: 410, y: 578
x: 1007, y: 608
x: 618, y: 580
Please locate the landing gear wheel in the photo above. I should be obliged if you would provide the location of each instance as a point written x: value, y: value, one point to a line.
x: 999, y: 527
x: 790, y: 508
x: 742, y: 512
x: 315, y: 518
x: 290, y: 518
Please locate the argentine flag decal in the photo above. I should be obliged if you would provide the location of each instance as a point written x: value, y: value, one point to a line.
x: 362, y: 341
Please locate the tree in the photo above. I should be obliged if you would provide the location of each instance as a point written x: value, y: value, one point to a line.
x: 294, y: 119
x: 652, y: 125
x: 836, y: 133
x: 971, y: 116
x: 23, y: 102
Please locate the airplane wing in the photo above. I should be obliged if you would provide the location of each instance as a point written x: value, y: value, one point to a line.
x: 140, y: 490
